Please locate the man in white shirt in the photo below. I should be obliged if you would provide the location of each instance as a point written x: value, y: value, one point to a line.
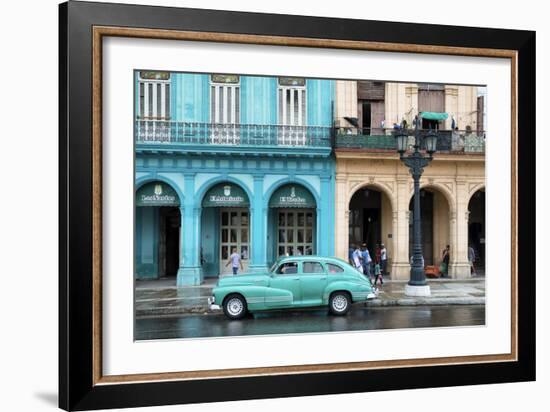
x: 235, y: 261
x: 383, y: 259
x: 357, y: 259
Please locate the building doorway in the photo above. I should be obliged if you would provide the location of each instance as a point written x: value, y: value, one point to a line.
x: 434, y: 225
x: 295, y: 232
x: 157, y: 242
x: 169, y: 241
x: 476, y: 230
x: 370, y: 220
x: 157, y: 231
x: 234, y: 236
x: 225, y: 226
x: 292, y: 221
x: 365, y: 224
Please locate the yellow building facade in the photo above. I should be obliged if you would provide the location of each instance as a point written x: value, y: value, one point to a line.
x: 374, y: 189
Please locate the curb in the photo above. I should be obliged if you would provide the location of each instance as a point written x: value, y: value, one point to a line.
x: 425, y: 302
x: 203, y: 310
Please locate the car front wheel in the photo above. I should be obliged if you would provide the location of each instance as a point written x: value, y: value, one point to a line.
x: 339, y: 303
x: 234, y: 307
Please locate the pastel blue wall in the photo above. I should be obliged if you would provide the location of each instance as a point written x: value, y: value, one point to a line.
x: 320, y: 101
x: 190, y: 97
x: 210, y: 241
x: 258, y: 100
x: 271, y: 235
x: 147, y: 241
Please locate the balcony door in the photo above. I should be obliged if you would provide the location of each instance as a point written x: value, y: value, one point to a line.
x: 225, y: 109
x: 154, y: 106
x: 291, y: 101
x: 431, y: 98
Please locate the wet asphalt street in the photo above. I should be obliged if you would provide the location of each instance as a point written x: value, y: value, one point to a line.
x: 284, y: 322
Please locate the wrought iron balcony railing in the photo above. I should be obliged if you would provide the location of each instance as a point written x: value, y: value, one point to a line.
x: 457, y: 141
x: 165, y: 131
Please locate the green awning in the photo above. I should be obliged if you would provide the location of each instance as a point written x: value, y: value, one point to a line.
x: 292, y: 196
x: 433, y: 115
x: 225, y: 195
x: 157, y: 194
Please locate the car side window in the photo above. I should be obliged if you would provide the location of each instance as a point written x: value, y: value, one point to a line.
x: 334, y: 268
x: 312, y: 267
x: 288, y: 268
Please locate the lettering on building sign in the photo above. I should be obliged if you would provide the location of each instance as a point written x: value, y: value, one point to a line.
x: 158, y: 197
x: 226, y: 198
x: 292, y: 199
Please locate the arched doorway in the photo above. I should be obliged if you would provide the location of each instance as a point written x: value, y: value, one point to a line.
x: 370, y: 220
x: 158, y: 225
x: 291, y: 219
x: 225, y: 228
x: 435, y: 225
x: 476, y: 230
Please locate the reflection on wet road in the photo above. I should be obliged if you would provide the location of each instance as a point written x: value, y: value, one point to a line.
x: 284, y: 322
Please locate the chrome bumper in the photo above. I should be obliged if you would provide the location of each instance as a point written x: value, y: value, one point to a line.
x: 212, y: 303
x: 373, y: 295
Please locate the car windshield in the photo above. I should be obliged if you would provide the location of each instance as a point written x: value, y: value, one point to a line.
x: 274, y: 266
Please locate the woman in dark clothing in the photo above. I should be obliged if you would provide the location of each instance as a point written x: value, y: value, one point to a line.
x: 445, y: 258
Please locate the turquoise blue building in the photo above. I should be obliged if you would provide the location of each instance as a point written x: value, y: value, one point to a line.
x: 228, y: 162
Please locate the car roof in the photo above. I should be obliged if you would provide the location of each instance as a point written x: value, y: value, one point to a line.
x: 309, y: 258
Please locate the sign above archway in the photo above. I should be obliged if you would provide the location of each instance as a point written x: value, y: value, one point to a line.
x: 157, y: 194
x: 292, y: 195
x: 225, y: 195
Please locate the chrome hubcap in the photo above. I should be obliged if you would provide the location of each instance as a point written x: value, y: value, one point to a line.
x: 339, y: 303
x: 235, y: 307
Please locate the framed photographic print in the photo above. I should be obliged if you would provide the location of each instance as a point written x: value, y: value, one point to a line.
x: 259, y: 205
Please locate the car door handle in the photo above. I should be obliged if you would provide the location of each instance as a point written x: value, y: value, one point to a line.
x: 323, y: 278
x: 295, y: 278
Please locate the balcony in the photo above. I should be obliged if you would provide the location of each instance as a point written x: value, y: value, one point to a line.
x: 382, y: 140
x: 162, y: 135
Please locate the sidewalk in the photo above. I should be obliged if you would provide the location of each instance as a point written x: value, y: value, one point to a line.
x: 162, y: 297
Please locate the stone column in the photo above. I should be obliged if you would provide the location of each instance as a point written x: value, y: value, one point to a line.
x: 392, y: 244
x: 341, y: 216
x: 323, y: 217
x: 190, y: 270
x: 258, y: 228
x: 401, y: 267
x: 460, y: 267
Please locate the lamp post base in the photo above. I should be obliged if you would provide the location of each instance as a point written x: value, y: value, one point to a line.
x: 417, y: 290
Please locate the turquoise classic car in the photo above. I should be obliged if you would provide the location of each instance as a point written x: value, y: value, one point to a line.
x: 293, y: 282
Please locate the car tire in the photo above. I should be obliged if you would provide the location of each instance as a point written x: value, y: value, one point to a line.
x: 339, y: 303
x: 234, y: 307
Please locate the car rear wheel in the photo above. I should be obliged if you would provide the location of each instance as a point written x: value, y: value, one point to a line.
x: 339, y: 303
x: 234, y: 307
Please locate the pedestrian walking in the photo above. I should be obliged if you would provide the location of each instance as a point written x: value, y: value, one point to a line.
x: 377, y: 254
x: 357, y: 262
x: 235, y: 260
x: 383, y: 259
x: 366, y: 261
x: 471, y: 259
x: 378, y: 274
x: 351, y: 249
x: 445, y: 258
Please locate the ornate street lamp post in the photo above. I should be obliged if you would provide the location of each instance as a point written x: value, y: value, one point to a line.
x: 416, y: 162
